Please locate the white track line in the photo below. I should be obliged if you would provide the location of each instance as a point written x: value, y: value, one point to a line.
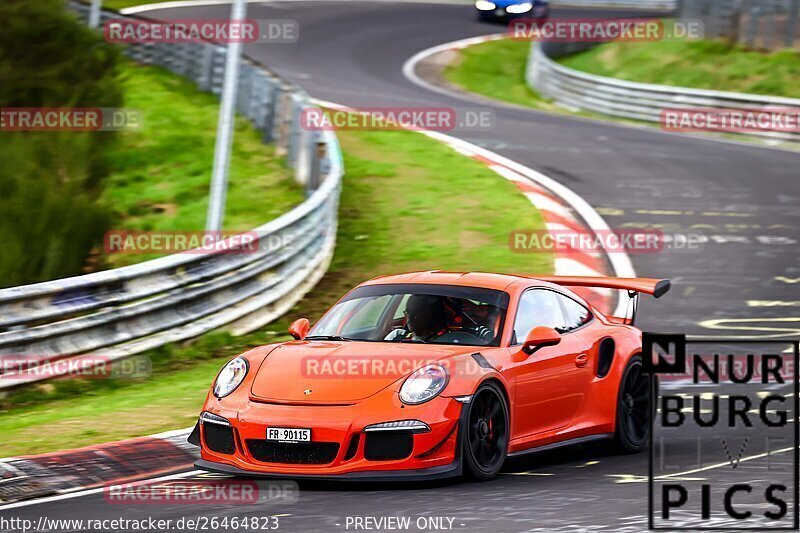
x: 410, y: 66
x: 719, y: 465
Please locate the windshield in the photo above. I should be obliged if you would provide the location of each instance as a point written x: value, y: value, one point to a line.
x: 421, y: 313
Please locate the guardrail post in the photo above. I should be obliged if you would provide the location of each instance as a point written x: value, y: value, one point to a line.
x: 752, y: 28
x: 94, y: 13
x: 245, y: 89
x: 204, y: 80
x: 317, y: 154
x: 258, y: 100
x: 769, y: 29
x: 218, y: 70
x: 791, y: 28
x: 294, y: 131
x: 735, y: 23
x: 271, y: 110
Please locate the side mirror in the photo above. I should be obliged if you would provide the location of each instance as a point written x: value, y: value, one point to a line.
x: 299, y: 328
x: 539, y: 337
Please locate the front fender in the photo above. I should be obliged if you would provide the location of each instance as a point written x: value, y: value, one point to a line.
x: 467, y: 373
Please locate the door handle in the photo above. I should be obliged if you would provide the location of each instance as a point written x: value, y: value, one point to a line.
x: 581, y: 360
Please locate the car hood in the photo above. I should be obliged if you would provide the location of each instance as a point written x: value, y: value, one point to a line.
x: 322, y: 372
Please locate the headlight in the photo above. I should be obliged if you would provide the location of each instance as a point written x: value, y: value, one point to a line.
x: 484, y: 5
x: 424, y: 384
x: 520, y: 8
x: 230, y: 377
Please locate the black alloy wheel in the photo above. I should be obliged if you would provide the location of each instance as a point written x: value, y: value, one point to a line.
x: 633, y: 408
x: 486, y: 439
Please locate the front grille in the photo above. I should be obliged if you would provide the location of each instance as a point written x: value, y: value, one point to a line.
x: 307, y: 453
x: 388, y: 445
x: 219, y: 438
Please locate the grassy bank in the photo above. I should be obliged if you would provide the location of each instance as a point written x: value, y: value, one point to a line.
x: 162, y: 170
x: 121, y: 4
x: 497, y: 68
x: 699, y: 64
x: 408, y: 203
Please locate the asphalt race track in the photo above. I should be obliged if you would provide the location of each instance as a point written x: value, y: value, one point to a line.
x: 743, y: 198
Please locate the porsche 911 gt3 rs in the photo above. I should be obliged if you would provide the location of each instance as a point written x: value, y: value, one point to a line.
x: 430, y: 375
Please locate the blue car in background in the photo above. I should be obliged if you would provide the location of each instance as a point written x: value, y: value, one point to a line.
x: 505, y: 10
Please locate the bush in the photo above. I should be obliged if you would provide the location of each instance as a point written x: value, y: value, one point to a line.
x: 50, y: 216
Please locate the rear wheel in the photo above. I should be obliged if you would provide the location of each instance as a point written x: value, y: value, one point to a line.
x: 633, y: 408
x: 485, y: 442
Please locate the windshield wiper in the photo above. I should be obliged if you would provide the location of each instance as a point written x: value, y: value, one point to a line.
x: 326, y: 338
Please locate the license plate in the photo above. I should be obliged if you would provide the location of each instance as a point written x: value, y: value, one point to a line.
x: 289, y: 434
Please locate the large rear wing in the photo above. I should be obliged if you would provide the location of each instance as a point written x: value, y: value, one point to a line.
x: 655, y: 287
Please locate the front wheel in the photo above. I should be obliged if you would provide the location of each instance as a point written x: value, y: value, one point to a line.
x: 485, y: 442
x: 633, y: 408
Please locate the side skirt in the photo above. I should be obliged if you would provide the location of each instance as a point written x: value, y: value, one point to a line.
x: 569, y: 442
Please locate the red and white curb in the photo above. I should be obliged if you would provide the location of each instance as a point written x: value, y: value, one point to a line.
x: 63, y: 472
x: 558, y: 216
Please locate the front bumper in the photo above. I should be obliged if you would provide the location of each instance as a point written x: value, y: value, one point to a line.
x: 433, y: 454
x: 420, y: 474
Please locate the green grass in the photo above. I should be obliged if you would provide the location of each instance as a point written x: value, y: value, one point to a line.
x: 495, y: 69
x: 408, y: 203
x: 699, y: 64
x: 121, y: 4
x: 162, y: 170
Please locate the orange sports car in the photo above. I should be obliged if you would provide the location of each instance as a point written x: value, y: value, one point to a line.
x: 431, y: 375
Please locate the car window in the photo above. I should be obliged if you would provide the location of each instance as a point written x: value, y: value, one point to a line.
x: 366, y: 315
x: 576, y: 314
x: 428, y: 313
x: 538, y: 308
x: 401, y: 307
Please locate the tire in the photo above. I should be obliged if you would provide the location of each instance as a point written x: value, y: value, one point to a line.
x: 486, y: 434
x: 633, y: 409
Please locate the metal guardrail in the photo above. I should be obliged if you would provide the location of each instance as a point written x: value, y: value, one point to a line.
x: 117, y: 313
x: 632, y: 100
